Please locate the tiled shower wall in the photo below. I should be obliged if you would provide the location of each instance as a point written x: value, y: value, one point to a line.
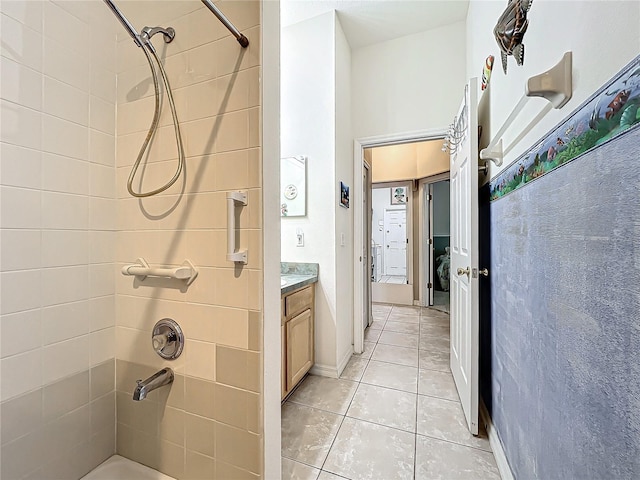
x: 58, y: 220
x: 68, y: 226
x: 207, y: 424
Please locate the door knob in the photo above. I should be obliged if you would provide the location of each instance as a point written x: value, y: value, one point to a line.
x: 484, y: 272
x: 464, y: 271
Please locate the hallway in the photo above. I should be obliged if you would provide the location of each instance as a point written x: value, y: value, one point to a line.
x: 394, y: 413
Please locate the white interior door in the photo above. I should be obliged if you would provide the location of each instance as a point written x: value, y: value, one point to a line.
x: 430, y: 246
x: 367, y: 253
x: 464, y: 257
x: 395, y: 242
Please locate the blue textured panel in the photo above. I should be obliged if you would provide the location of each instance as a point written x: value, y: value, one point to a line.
x: 561, y: 331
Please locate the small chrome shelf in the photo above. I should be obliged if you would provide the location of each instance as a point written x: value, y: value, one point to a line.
x: 187, y: 271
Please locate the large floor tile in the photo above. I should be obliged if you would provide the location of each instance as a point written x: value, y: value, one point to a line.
x: 379, y: 317
x: 406, y: 310
x: 381, y: 308
x: 355, y: 368
x: 328, y: 476
x: 429, y: 342
x: 331, y: 394
x: 402, y: 327
x: 443, y: 320
x: 399, y: 339
x: 433, y: 312
x: 368, y: 349
x: 438, y: 460
x: 307, y: 433
x: 435, y: 360
x: 390, y: 375
x: 404, y: 318
x: 292, y: 470
x: 372, y: 334
x: 437, y: 384
x: 393, y: 354
x: 434, y: 330
x: 384, y: 406
x: 365, y: 450
x: 445, y: 420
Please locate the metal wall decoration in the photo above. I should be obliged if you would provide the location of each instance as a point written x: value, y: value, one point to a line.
x: 510, y: 30
x: 609, y: 112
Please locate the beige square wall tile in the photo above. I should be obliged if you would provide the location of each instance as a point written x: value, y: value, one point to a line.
x: 171, y: 425
x: 102, y: 379
x: 224, y: 470
x: 236, y: 407
x: 201, y: 360
x: 199, y: 466
x: 65, y: 395
x: 238, y: 368
x: 200, y: 434
x: 255, y: 331
x: 20, y: 415
x: 199, y: 397
x: 239, y: 447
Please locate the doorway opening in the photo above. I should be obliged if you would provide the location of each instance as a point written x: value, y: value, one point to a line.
x: 390, y: 169
x: 435, y: 256
x: 391, y: 227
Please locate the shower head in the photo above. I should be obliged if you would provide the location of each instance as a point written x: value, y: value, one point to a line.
x: 125, y: 23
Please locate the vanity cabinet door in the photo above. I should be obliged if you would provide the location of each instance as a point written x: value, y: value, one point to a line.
x: 283, y: 377
x: 299, y: 347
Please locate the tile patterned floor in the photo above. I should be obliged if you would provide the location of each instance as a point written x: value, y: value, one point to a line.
x: 394, y: 413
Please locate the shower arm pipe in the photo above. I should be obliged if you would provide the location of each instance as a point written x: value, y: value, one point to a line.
x: 242, y: 40
x: 125, y: 23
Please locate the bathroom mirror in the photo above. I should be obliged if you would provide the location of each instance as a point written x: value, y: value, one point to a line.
x: 293, y: 183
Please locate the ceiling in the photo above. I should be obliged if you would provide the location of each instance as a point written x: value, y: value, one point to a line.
x: 366, y: 22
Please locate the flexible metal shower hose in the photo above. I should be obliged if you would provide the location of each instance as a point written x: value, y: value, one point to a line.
x: 154, y: 127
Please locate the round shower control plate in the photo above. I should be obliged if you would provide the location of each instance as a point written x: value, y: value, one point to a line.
x: 167, y: 339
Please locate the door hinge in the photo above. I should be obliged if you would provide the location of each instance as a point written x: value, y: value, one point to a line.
x: 431, y: 241
x: 429, y: 285
x: 430, y: 197
x: 407, y: 240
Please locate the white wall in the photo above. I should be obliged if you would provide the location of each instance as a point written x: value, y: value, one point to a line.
x: 604, y: 37
x: 410, y: 83
x: 344, y: 217
x: 308, y: 128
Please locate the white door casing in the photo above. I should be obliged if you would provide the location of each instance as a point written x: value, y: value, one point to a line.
x: 464, y: 257
x: 395, y: 242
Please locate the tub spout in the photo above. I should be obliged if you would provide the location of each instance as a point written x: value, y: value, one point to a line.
x: 157, y: 380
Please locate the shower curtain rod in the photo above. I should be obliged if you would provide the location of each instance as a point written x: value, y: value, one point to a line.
x: 242, y: 40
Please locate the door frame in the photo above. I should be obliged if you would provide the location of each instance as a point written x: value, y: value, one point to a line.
x: 359, y: 145
x: 424, y: 185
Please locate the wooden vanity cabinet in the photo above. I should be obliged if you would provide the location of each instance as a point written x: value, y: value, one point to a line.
x: 297, y: 336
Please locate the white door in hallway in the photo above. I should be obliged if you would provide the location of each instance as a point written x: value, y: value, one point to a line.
x: 395, y: 242
x: 464, y: 258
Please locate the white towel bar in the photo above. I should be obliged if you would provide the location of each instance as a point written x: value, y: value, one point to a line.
x: 142, y: 269
x: 554, y: 85
x: 234, y: 199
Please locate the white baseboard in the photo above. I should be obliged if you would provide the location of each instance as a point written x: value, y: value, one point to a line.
x: 496, y: 444
x: 324, y: 371
x: 345, y: 359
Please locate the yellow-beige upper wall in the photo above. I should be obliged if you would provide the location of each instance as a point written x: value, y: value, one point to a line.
x: 407, y: 161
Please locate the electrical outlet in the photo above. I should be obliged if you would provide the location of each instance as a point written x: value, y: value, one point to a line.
x: 299, y: 238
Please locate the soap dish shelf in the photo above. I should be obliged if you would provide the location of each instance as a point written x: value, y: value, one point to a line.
x: 187, y: 271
